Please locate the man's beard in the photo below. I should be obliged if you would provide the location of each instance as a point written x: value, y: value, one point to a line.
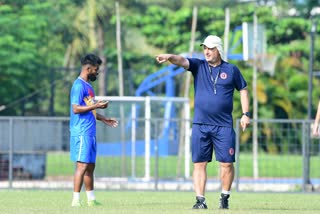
x: 92, y: 77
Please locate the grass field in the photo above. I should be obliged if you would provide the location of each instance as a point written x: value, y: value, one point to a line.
x: 286, y: 166
x: 31, y: 201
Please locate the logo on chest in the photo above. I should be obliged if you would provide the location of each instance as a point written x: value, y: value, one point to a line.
x: 223, y: 75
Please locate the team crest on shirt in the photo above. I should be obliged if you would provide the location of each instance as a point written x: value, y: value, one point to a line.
x: 223, y: 75
x: 231, y: 151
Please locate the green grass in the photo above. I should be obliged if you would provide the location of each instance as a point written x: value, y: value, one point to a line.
x: 280, y: 166
x: 30, y: 201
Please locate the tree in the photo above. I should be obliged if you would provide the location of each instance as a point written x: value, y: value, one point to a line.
x: 61, y: 31
x: 31, y: 41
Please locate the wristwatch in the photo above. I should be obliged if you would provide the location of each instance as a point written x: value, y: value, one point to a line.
x: 247, y: 114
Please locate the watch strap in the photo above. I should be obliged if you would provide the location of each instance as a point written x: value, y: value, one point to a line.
x: 247, y: 114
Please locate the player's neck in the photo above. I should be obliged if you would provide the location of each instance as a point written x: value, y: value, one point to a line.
x: 84, y: 76
x: 215, y: 64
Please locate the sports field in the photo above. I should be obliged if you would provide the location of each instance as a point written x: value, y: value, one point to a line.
x: 32, y: 201
x: 59, y: 164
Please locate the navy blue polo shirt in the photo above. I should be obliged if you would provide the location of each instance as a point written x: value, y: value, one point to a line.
x: 213, y: 101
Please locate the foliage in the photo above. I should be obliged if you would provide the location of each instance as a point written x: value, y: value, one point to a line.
x: 31, y: 52
x: 31, y: 44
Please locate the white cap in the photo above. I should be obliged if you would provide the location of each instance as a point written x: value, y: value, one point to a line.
x: 214, y: 42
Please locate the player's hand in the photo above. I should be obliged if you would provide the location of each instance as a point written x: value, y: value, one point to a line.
x: 315, y: 130
x: 244, y: 122
x: 102, y: 104
x: 110, y: 122
x: 162, y: 58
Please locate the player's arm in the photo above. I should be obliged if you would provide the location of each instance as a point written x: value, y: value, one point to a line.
x: 316, y: 121
x: 108, y: 121
x: 245, y: 118
x: 174, y: 59
x: 78, y: 109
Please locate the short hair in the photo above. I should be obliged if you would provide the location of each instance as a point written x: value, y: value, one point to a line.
x: 91, y: 59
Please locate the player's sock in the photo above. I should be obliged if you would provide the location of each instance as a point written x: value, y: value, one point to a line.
x: 76, y: 199
x: 226, y: 192
x: 76, y: 196
x: 90, y: 195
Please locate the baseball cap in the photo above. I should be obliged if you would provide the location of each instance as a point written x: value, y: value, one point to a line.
x: 214, y: 41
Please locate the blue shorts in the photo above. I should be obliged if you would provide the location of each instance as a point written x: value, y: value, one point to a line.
x: 83, y: 149
x: 205, y: 138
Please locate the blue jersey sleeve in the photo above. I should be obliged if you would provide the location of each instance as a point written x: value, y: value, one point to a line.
x: 77, y: 94
x: 193, y: 65
x: 239, y: 81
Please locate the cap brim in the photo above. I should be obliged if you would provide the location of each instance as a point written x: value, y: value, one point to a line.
x: 212, y: 46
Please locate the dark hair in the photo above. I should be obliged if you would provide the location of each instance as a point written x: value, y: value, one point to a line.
x: 91, y: 59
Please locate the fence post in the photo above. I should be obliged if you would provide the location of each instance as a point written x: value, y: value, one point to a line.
x: 133, y: 139
x: 10, y: 152
x: 147, y: 137
x: 187, y: 140
x: 156, y: 155
x: 307, y: 186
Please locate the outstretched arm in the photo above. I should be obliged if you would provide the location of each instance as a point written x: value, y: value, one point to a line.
x: 174, y: 59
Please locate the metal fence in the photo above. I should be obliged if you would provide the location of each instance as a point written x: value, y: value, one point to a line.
x: 287, y: 157
x: 34, y: 153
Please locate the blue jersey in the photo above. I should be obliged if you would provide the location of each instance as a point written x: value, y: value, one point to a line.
x: 214, y: 89
x: 82, y: 94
